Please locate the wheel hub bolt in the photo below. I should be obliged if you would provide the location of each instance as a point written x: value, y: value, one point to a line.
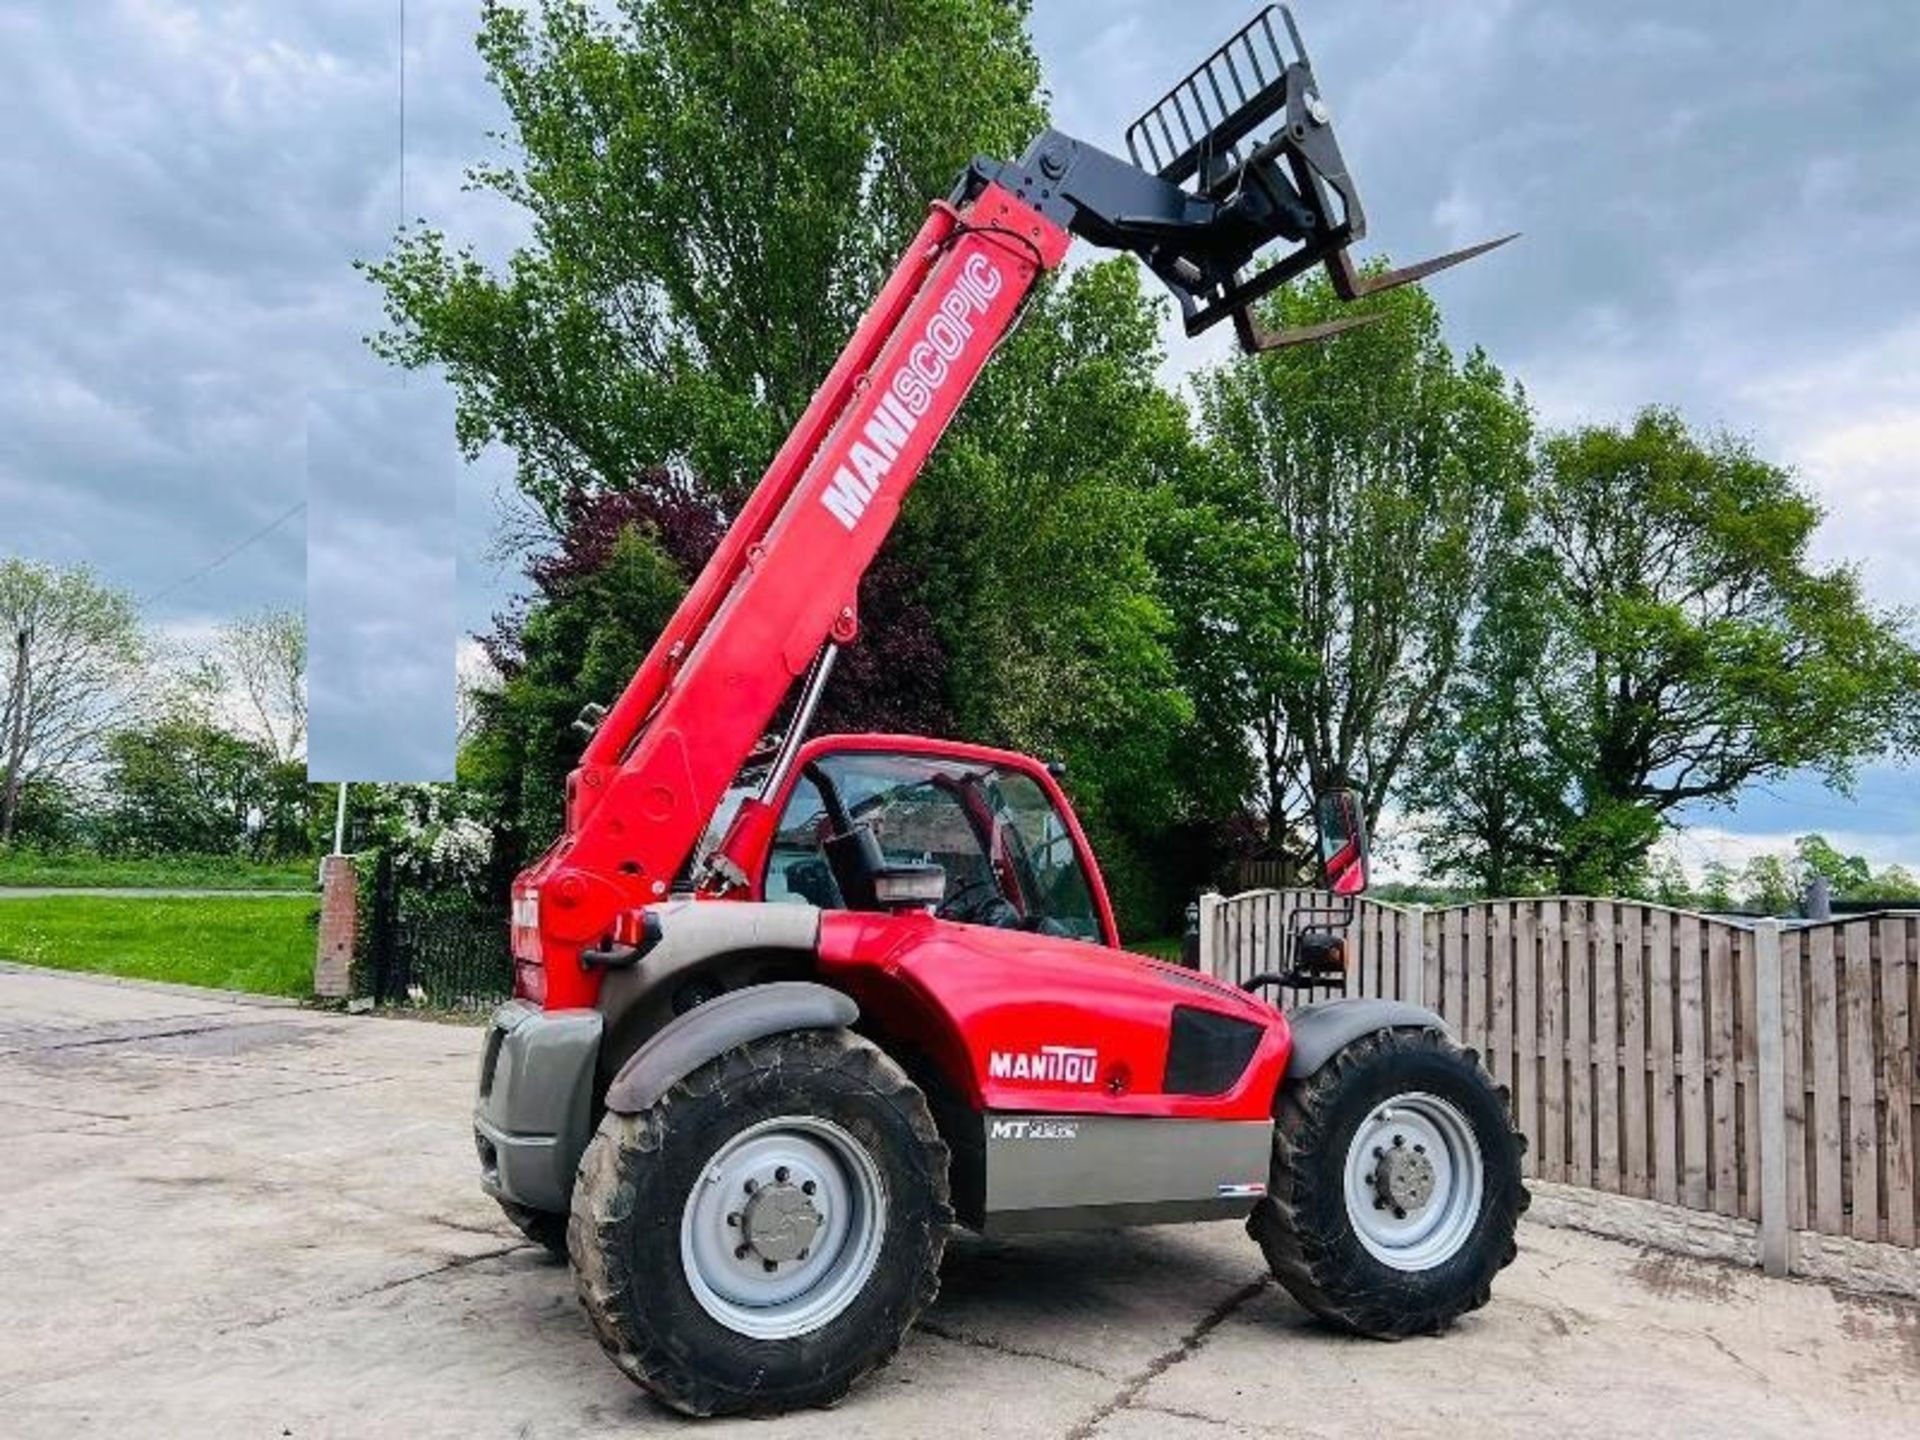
x: 1403, y: 1181
x: 780, y: 1223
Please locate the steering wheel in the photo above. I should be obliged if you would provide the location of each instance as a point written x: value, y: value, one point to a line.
x: 952, y: 907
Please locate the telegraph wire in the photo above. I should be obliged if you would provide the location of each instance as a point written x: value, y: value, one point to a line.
x: 224, y: 556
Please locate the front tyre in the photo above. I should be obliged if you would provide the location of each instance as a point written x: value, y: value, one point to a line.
x: 1396, y: 1186
x: 764, y: 1235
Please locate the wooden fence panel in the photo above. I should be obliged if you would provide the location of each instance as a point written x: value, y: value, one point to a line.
x: 1689, y: 972
x: 1384, y: 939
x: 1605, y: 974
x: 1897, y: 1074
x: 1447, y: 926
x: 1526, y: 1032
x: 1747, y: 1071
x: 1665, y: 1099
x: 1629, y: 1036
x: 1722, y: 1142
x: 1553, y: 1041
x: 1829, y: 1198
x: 1498, y: 968
x: 1633, y: 1036
x: 1577, y: 1012
x: 1861, y: 1127
x: 1479, y: 1022
x: 1793, y: 981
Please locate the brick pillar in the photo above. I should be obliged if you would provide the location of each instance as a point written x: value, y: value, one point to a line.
x: 333, y: 963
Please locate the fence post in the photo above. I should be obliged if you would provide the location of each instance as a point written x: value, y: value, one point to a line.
x: 1413, y: 929
x: 1210, y: 903
x: 1769, y: 1017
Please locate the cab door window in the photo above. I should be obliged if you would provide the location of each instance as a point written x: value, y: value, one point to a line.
x: 1049, y: 861
x: 1008, y: 854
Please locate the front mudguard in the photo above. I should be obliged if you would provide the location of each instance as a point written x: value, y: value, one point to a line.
x: 1323, y: 1030
x: 708, y: 1031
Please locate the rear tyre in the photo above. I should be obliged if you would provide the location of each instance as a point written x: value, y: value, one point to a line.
x: 545, y: 1228
x: 764, y: 1235
x: 1396, y: 1186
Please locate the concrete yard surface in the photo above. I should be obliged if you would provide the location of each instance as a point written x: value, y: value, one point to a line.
x: 229, y: 1219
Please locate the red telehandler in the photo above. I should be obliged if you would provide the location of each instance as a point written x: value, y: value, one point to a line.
x: 784, y: 1015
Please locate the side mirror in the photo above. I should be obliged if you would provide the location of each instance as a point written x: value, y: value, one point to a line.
x: 1343, y: 841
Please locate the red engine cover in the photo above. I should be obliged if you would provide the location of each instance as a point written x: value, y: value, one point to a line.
x: 1026, y: 1022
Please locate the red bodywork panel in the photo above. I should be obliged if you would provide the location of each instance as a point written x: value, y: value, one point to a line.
x: 1093, y: 1022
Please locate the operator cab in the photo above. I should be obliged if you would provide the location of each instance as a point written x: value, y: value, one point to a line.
x: 972, y: 835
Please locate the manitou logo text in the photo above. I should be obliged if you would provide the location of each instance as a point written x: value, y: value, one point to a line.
x: 1059, y: 1064
x: 910, y: 394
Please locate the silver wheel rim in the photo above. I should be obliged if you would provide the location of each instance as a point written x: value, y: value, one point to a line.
x: 1414, y: 1181
x: 783, y: 1228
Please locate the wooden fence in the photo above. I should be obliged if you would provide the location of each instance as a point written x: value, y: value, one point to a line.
x: 1741, y: 1068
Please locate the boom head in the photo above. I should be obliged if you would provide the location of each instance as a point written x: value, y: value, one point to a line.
x: 1235, y: 164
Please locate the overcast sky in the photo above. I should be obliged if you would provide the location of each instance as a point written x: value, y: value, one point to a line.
x: 1718, y: 200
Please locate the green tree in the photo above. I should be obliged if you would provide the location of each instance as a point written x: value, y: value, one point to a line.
x: 1041, y: 530
x: 1895, y: 882
x: 1815, y: 856
x: 182, y: 786
x: 1488, y: 792
x: 1768, y: 884
x: 261, y: 658
x: 1393, y: 470
x: 1697, y: 647
x: 716, y: 193
x: 1717, y: 882
x: 1666, y: 881
x: 70, y: 652
x: 580, y: 642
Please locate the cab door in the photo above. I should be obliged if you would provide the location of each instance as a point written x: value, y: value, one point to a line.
x: 1013, y: 853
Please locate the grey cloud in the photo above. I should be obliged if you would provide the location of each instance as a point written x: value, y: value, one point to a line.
x: 187, y: 187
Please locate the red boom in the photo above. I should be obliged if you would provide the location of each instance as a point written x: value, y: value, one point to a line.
x: 782, y: 583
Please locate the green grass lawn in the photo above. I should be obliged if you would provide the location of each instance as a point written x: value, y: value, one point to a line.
x: 181, y: 872
x: 262, y: 944
x: 1160, y: 947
